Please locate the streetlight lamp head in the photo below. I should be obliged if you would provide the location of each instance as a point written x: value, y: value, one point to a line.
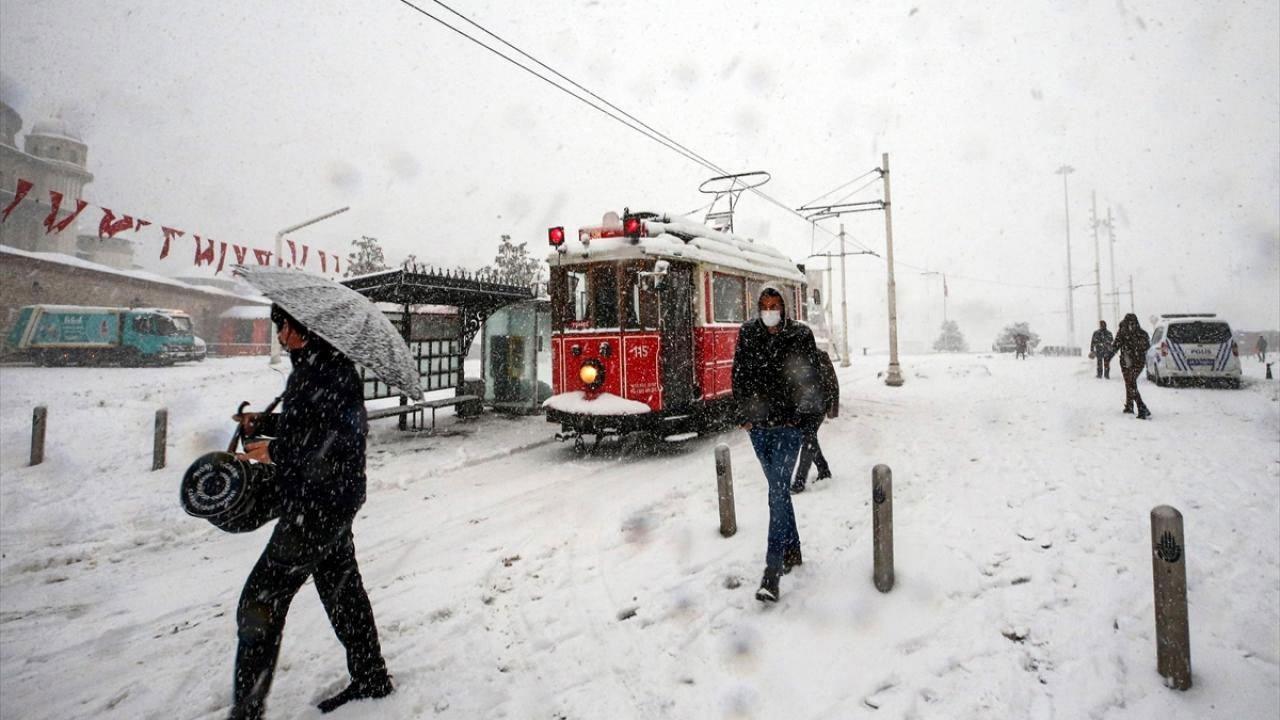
x: 1065, y: 170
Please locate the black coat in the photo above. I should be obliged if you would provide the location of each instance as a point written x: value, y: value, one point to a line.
x: 776, y: 376
x: 319, y: 445
x: 830, y: 384
x: 1132, y: 345
x: 1101, y: 342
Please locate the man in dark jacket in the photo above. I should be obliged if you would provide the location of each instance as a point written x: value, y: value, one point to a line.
x: 775, y: 383
x: 810, y: 450
x: 1100, y: 348
x: 1132, y: 343
x: 318, y: 452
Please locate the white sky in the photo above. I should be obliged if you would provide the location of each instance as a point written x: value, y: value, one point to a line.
x: 235, y: 119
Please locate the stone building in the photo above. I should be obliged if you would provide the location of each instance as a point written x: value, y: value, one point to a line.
x: 52, y: 157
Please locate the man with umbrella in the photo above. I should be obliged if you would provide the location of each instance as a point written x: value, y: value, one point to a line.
x: 318, y: 449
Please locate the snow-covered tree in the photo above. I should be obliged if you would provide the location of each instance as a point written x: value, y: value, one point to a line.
x: 1008, y: 337
x: 514, y: 262
x: 367, y: 258
x: 951, y: 339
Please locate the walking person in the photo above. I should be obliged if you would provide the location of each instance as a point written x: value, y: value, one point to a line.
x: 1100, y: 348
x: 1262, y: 348
x: 775, y: 383
x: 319, y: 454
x: 1131, y: 344
x: 1020, y: 344
x: 810, y: 450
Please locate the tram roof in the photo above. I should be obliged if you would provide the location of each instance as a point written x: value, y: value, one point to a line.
x: 679, y: 240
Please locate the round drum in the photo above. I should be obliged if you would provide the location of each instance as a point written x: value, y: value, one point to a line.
x: 234, y: 495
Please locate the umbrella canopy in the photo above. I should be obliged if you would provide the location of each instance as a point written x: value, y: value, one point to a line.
x: 345, y: 318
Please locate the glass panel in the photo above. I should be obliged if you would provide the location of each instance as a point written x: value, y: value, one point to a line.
x: 1200, y: 333
x: 606, y: 296
x: 727, y: 303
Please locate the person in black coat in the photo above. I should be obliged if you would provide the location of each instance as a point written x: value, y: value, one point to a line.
x: 1132, y: 343
x: 318, y: 450
x: 810, y: 450
x: 775, y: 383
x: 1100, y: 348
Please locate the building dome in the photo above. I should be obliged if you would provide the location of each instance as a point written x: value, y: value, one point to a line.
x: 55, y: 127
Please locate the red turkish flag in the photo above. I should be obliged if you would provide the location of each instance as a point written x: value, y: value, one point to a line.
x: 240, y: 251
x: 55, y: 206
x: 205, y: 256
x: 169, y: 235
x: 262, y: 256
x: 110, y: 225
x: 323, y: 264
x: 222, y: 257
x: 139, y: 224
x: 24, y: 187
x: 304, y: 256
x: 293, y: 253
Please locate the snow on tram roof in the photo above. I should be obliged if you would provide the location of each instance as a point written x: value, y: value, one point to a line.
x: 679, y: 240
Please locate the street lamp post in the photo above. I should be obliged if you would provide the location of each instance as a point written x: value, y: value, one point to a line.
x: 275, y: 342
x: 1064, y: 171
x: 844, y: 296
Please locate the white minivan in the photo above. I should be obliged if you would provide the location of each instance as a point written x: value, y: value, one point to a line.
x: 1193, y: 347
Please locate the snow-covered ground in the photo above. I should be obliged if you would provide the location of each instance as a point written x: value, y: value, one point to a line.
x: 513, y: 579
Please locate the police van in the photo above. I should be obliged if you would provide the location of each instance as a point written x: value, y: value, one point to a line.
x: 1193, y: 347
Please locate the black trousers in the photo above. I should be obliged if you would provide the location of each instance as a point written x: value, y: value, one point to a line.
x: 1131, y: 394
x: 1104, y: 364
x: 811, y: 451
x: 315, y: 542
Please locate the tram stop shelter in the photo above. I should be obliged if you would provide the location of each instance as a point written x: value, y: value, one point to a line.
x: 516, y: 357
x: 438, y: 312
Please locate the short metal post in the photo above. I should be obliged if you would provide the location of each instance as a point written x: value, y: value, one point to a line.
x: 39, y: 420
x: 161, y: 439
x: 1269, y: 371
x: 724, y: 484
x: 882, y: 526
x: 1169, y: 576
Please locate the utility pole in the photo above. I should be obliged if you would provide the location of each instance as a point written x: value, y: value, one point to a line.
x: 844, y: 305
x: 1097, y: 258
x: 1115, y: 289
x: 1064, y: 171
x: 894, y: 378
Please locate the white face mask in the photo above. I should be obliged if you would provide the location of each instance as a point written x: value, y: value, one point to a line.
x: 771, y: 317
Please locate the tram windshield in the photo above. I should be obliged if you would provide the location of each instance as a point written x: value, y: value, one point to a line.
x: 603, y: 296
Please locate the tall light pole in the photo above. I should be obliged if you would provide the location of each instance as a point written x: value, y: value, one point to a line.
x: 894, y: 377
x: 1064, y: 171
x: 944, y: 292
x: 1115, y: 289
x: 275, y: 342
x: 1097, y: 254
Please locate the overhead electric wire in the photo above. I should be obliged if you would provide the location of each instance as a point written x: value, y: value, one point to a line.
x: 634, y: 123
x: 841, y: 186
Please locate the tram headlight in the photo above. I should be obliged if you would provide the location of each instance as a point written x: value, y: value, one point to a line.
x: 591, y: 374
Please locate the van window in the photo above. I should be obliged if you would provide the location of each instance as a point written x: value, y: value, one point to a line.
x: 1200, y: 333
x: 1157, y: 336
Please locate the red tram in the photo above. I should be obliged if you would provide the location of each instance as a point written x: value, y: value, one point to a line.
x: 645, y: 316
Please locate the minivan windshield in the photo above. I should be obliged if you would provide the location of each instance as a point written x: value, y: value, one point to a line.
x: 1200, y: 333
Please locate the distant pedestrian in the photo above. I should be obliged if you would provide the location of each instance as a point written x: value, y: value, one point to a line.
x: 1020, y: 344
x: 319, y: 456
x: 1262, y: 348
x: 775, y: 383
x: 810, y: 450
x: 1100, y: 348
x: 1131, y: 344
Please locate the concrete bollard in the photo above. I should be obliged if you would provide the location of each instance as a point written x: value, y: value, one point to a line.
x: 1169, y: 576
x: 724, y: 484
x: 39, y: 420
x: 161, y: 439
x: 1269, y: 372
x: 882, y: 525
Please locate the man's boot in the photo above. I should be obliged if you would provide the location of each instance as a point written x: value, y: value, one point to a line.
x: 768, y: 591
x: 358, y: 690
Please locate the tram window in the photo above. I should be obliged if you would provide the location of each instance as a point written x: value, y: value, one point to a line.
x: 641, y: 304
x: 728, y: 298
x: 606, y: 296
x: 578, y: 297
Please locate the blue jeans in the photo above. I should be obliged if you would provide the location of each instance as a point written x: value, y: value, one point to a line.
x: 777, y: 448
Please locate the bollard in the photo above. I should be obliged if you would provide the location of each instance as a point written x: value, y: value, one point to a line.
x: 724, y: 483
x: 161, y: 439
x: 882, y: 525
x: 39, y: 420
x: 1269, y: 371
x: 1169, y: 576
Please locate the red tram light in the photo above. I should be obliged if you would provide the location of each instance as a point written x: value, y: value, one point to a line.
x: 632, y: 226
x: 555, y: 236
